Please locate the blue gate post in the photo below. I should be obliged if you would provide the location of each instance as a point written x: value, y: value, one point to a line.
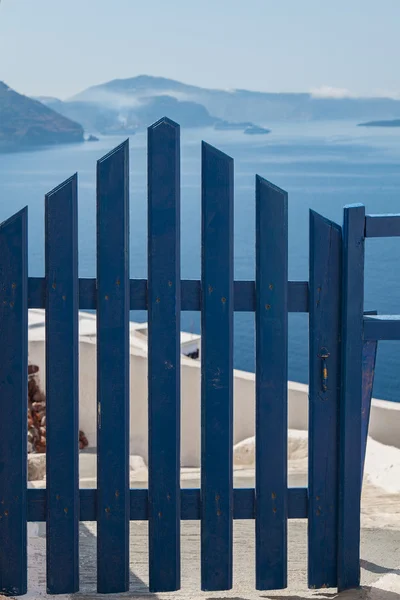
x: 271, y: 385
x: 351, y: 398
x: 324, y: 399
x: 62, y: 389
x: 164, y: 299
x: 216, y: 370
x: 113, y: 371
x: 13, y: 403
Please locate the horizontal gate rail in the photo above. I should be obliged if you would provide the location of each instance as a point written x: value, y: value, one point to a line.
x: 382, y: 226
x: 243, y: 504
x: 244, y: 295
x: 381, y: 327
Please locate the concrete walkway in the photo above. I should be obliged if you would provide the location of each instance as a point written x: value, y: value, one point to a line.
x: 380, y: 551
x: 380, y: 565
x: 380, y: 547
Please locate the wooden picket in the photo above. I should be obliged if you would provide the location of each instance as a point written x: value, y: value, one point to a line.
x: 113, y: 371
x: 350, y: 453
x: 343, y: 343
x: 216, y: 370
x: 271, y: 385
x: 164, y: 355
x: 13, y: 403
x: 62, y: 389
x: 324, y: 399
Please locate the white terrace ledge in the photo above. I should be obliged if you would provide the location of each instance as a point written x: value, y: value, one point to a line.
x: 384, y: 423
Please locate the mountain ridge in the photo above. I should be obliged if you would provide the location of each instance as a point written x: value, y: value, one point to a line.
x: 241, y: 105
x: 124, y: 106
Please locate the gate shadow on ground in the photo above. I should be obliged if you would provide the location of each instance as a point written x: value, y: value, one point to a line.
x: 363, y: 593
x: 139, y: 586
x: 374, y: 568
x: 88, y: 572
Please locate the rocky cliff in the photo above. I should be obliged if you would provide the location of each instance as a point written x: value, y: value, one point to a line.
x: 28, y: 123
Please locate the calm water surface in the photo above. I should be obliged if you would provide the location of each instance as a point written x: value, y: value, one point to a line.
x: 322, y: 166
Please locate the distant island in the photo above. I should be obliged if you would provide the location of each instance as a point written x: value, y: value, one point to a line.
x: 256, y: 130
x: 246, y: 127
x: 26, y: 123
x: 228, y: 126
x: 108, y: 115
x: 389, y: 123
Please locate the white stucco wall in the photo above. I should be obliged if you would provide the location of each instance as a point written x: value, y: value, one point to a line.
x: 384, y: 425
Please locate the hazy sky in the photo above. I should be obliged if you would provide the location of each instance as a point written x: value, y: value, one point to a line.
x: 58, y: 47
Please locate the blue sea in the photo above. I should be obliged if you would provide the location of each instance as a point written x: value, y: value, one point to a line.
x: 322, y: 166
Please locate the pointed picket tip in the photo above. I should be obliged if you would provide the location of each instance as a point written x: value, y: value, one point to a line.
x: 208, y: 150
x: 71, y: 181
x: 123, y: 149
x: 62, y: 194
x: 262, y: 183
x: 163, y: 143
x: 317, y: 219
x: 164, y: 121
x: 19, y: 217
x: 112, y: 176
x: 270, y: 197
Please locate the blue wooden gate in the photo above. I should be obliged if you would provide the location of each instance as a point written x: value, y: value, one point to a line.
x: 342, y: 356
